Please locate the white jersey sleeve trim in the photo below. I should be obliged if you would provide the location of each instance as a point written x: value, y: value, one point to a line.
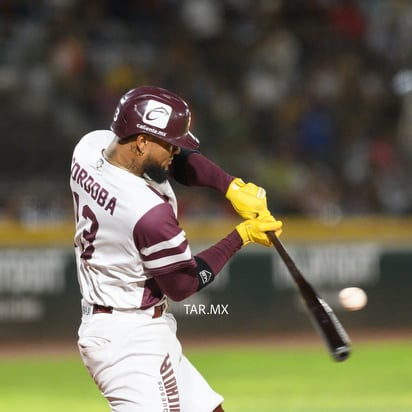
x: 166, y: 244
x: 169, y: 260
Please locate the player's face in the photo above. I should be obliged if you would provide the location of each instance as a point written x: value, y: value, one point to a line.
x: 160, y: 156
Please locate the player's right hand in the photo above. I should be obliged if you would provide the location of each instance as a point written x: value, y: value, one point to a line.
x: 248, y: 200
x: 254, y: 230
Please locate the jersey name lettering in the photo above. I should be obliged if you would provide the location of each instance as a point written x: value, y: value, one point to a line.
x: 98, y: 193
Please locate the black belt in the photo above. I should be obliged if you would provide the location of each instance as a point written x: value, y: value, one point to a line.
x: 158, y: 310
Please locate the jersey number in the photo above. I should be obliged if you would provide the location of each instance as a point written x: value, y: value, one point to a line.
x: 88, y: 236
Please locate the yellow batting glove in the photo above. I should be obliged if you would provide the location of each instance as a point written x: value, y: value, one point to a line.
x: 254, y: 230
x: 247, y: 199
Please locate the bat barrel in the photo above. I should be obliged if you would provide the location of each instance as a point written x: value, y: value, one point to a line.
x: 322, y: 316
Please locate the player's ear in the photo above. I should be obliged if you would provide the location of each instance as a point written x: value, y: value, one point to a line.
x: 140, y: 143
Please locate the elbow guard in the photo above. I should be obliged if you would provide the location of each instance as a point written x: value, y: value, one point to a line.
x: 204, y: 273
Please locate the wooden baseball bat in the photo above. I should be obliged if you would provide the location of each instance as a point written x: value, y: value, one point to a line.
x: 322, y: 316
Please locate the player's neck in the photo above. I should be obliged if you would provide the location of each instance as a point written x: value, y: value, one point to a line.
x: 123, y: 162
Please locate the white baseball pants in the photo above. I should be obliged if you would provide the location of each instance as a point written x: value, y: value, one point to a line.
x: 137, y: 363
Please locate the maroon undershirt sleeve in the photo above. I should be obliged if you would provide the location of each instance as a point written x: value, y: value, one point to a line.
x: 195, y: 169
x: 182, y: 283
x: 219, y: 254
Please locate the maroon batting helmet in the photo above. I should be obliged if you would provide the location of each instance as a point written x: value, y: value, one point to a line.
x: 155, y: 111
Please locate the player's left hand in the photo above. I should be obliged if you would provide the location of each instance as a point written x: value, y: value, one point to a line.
x: 247, y: 199
x: 255, y: 230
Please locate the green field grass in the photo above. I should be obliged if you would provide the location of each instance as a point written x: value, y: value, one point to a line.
x: 376, y: 378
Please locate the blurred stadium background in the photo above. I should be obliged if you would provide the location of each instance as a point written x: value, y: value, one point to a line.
x: 311, y: 99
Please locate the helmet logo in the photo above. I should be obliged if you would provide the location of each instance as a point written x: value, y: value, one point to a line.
x: 157, y: 114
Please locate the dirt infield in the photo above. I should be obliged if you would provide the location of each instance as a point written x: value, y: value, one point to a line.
x: 49, y: 348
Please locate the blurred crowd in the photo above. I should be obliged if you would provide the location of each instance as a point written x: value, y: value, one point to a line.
x: 310, y: 99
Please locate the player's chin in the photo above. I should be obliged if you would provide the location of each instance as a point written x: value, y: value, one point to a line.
x: 157, y: 172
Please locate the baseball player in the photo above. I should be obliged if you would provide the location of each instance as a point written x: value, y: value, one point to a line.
x: 132, y: 255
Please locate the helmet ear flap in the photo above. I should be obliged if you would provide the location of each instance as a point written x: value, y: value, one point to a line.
x: 155, y: 111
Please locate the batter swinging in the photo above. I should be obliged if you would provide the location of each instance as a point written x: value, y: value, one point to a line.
x: 132, y: 255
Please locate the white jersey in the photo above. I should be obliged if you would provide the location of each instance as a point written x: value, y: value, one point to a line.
x: 126, y: 229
